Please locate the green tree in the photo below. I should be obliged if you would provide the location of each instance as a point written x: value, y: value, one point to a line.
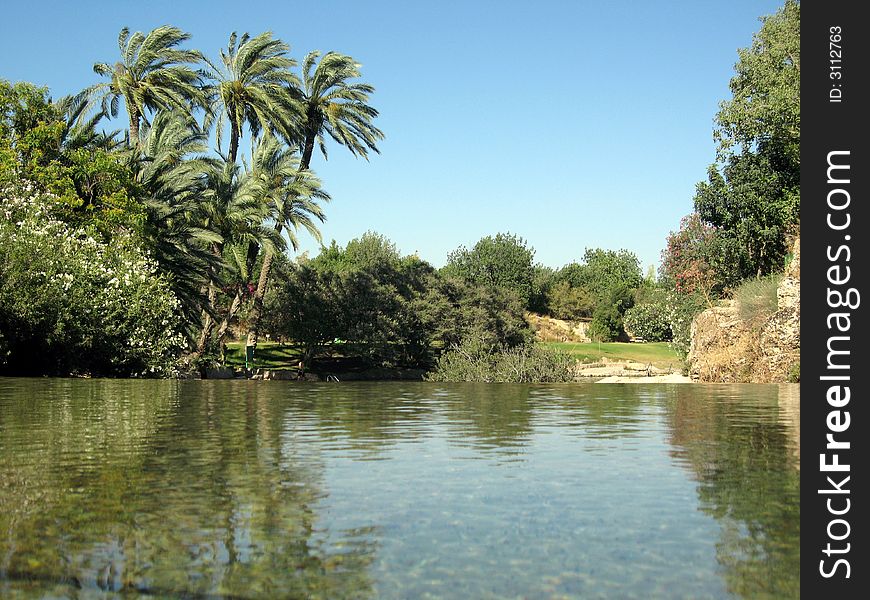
x: 169, y: 176
x: 255, y: 87
x: 605, y: 270
x: 336, y: 106
x: 231, y: 209
x: 57, y: 147
x: 567, y: 302
x: 153, y: 74
x: 753, y: 192
x: 303, y: 307
x: 291, y: 196
x: 765, y: 104
x: 503, y: 261
x: 755, y: 205
x: 607, y: 319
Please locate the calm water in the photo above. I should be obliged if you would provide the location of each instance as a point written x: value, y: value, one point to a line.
x: 238, y: 489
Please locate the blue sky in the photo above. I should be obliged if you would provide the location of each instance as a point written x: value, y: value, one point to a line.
x: 572, y: 124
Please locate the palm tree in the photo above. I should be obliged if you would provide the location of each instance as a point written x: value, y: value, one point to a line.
x: 153, y: 74
x: 255, y: 87
x: 335, y: 106
x: 232, y: 210
x: 169, y: 170
x: 80, y: 126
x: 291, y: 195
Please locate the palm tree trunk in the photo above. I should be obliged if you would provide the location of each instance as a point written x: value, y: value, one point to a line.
x: 234, y: 142
x: 257, y: 309
x: 307, y: 151
x: 208, y: 324
x: 134, y: 126
x: 231, y: 314
x: 250, y: 259
x: 260, y: 293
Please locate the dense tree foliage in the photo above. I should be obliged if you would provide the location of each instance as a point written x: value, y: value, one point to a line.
x: 752, y: 194
x: 503, y: 261
x: 367, y: 300
x: 73, y: 303
x: 212, y: 223
x: 607, y: 318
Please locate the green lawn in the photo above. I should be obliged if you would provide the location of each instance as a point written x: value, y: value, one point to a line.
x: 274, y: 355
x: 659, y: 354
x: 269, y: 355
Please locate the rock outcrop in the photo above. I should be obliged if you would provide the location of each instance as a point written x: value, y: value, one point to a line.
x: 727, y: 349
x: 549, y: 329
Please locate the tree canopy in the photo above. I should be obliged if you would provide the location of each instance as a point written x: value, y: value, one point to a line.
x: 752, y: 193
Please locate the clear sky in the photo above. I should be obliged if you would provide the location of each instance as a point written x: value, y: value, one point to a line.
x: 573, y: 124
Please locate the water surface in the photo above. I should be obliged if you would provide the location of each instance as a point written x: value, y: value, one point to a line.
x: 271, y: 489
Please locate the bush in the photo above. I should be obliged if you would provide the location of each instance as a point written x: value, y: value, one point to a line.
x: 503, y: 262
x: 648, y: 321
x: 606, y: 325
x: 680, y: 311
x: 70, y: 303
x: 527, y: 363
x: 567, y: 302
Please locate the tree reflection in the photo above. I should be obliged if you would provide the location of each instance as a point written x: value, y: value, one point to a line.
x: 740, y: 450
x: 167, y: 488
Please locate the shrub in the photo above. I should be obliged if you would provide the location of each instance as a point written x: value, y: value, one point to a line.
x: 648, y: 321
x: 527, y: 363
x: 606, y: 325
x: 567, y: 302
x: 70, y: 303
x: 680, y: 311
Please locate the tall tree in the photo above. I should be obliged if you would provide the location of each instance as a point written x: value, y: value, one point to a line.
x: 503, y: 261
x: 169, y: 171
x: 153, y: 74
x: 233, y: 212
x: 291, y: 196
x: 255, y: 87
x: 333, y: 105
x: 336, y: 106
x: 752, y: 194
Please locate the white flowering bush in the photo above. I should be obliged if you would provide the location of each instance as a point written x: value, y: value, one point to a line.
x: 648, y: 321
x: 680, y: 310
x: 73, y: 303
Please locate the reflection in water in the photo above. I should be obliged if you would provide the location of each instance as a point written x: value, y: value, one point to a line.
x: 122, y: 486
x: 741, y: 451
x: 276, y: 489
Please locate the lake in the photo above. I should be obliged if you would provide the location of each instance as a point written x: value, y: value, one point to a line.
x: 272, y: 489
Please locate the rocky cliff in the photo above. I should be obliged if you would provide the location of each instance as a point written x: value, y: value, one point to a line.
x: 725, y: 348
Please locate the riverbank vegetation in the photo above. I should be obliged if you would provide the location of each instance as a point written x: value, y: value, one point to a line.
x: 746, y: 212
x: 142, y: 251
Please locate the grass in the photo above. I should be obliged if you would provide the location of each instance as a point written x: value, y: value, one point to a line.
x: 660, y: 354
x: 269, y: 355
x: 756, y: 298
x: 275, y: 356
